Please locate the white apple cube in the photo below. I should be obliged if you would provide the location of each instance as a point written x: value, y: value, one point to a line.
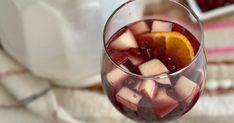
x: 148, y: 88
x: 116, y: 76
x: 137, y: 87
x: 186, y: 88
x: 152, y: 67
x: 128, y: 98
x: 124, y: 41
x: 159, y: 26
x: 164, y: 81
x: 164, y: 103
x: 139, y: 28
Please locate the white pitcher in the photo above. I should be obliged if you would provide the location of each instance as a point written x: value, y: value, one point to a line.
x: 57, y: 39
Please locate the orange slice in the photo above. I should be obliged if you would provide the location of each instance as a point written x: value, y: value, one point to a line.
x: 174, y: 44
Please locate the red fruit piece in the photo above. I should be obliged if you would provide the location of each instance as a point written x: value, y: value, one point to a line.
x: 116, y: 76
x: 164, y: 104
x: 124, y: 41
x: 128, y: 98
x: 186, y: 89
x: 139, y: 27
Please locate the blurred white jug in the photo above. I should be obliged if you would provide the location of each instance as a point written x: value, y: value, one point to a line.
x: 57, y: 39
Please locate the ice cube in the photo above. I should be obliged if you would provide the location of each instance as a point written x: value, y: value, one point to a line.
x: 159, y: 26
x: 186, y: 88
x: 164, y: 104
x: 148, y: 87
x: 152, y: 67
x: 128, y: 98
x: 139, y: 28
x: 116, y: 76
x: 124, y: 41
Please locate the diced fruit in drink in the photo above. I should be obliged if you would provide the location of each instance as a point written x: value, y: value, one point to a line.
x: 164, y: 104
x: 148, y: 48
x: 186, y: 88
x: 119, y: 57
x: 132, y: 67
x: 178, y: 28
x: 139, y: 27
x: 137, y: 86
x: 146, y: 109
x: 116, y: 76
x: 152, y: 67
x: 178, y: 47
x: 124, y: 41
x: 135, y: 51
x: 148, y: 87
x: 128, y: 98
x: 165, y: 80
x: 136, y: 60
x: 160, y: 26
x: 154, y: 40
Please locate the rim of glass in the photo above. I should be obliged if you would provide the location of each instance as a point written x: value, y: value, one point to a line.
x: 161, y: 75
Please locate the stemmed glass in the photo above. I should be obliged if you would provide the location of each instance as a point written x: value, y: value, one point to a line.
x: 183, y: 87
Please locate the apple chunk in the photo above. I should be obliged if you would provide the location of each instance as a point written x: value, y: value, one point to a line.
x: 152, y: 67
x: 139, y: 28
x: 128, y: 98
x: 116, y: 76
x: 186, y: 89
x: 124, y: 41
x: 159, y: 26
x: 148, y: 88
x: 165, y: 80
x: 135, y: 60
x: 164, y: 103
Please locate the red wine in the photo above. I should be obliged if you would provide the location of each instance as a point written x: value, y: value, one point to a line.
x: 147, y: 48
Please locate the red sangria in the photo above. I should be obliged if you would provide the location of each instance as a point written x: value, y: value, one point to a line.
x: 153, y: 70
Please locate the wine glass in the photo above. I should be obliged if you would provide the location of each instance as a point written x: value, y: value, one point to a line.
x: 160, y: 85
